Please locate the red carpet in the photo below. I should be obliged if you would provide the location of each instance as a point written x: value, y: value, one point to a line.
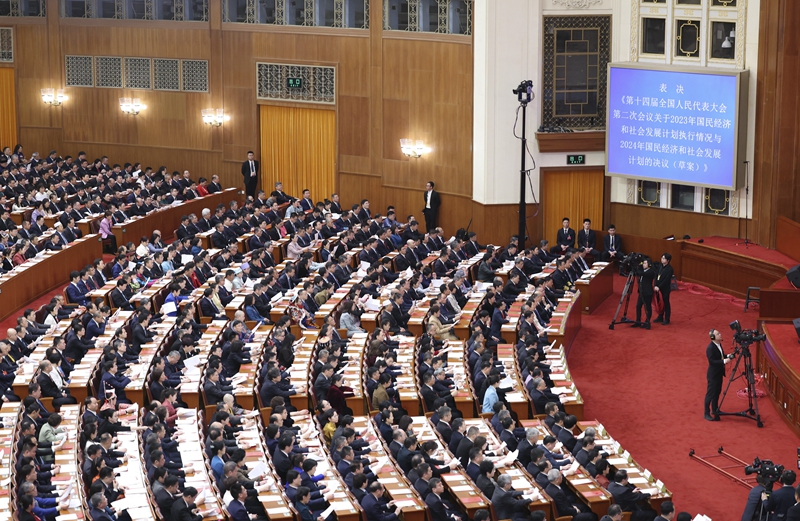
x: 647, y: 389
x: 752, y: 250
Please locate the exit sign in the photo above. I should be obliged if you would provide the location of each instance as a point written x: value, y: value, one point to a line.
x: 294, y: 83
x: 576, y: 159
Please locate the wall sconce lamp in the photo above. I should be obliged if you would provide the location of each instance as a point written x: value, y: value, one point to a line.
x: 214, y: 117
x: 53, y: 97
x: 131, y: 106
x: 413, y: 149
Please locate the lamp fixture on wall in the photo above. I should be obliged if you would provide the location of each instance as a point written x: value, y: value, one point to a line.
x: 131, y: 106
x: 53, y: 97
x: 214, y: 117
x: 413, y: 149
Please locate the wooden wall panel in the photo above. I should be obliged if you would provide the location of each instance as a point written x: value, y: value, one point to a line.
x: 631, y: 219
x: 354, y: 128
x: 776, y: 180
x: 387, y: 89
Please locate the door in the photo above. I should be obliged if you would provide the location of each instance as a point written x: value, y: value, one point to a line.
x: 576, y: 194
x: 298, y: 148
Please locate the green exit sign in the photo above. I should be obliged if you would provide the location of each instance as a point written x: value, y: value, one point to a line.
x: 294, y: 83
x: 576, y: 159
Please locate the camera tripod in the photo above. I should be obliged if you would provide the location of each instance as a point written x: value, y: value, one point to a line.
x: 749, y: 375
x: 626, y: 297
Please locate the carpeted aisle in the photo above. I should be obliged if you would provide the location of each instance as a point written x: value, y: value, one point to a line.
x: 647, y: 388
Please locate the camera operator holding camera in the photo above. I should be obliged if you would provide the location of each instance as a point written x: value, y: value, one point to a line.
x: 717, y: 359
x: 645, y: 275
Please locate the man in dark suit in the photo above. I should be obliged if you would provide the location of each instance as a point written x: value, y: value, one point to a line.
x: 563, y: 506
x: 714, y: 375
x: 587, y: 240
x: 375, y: 508
x: 565, y: 239
x: 182, y: 509
x: 663, y: 286
x: 793, y: 514
x: 236, y: 508
x: 629, y: 497
x: 167, y: 495
x: 118, y: 298
x: 431, y: 208
x: 440, y: 509
x: 507, y: 502
x: 782, y: 499
x: 645, y: 275
x: 612, y: 245
x: 668, y: 511
x: 250, y: 174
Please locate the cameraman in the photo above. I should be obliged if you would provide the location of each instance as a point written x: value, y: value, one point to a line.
x: 664, y: 287
x: 714, y: 375
x: 782, y: 499
x: 645, y: 275
x: 752, y: 509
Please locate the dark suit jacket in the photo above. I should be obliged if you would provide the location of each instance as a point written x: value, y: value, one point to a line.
x: 237, y: 511
x: 617, y: 244
x: 586, y: 239
x: 505, y: 503
x: 626, y: 498
x: 246, y: 169
x: 182, y: 512
x: 436, y: 201
x: 716, y: 363
x: 664, y: 278
x: 376, y: 510
x: 566, y: 238
x: 562, y: 505
x: 780, y: 501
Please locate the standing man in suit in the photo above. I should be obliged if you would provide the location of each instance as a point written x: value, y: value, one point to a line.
x: 645, y: 274
x: 587, y: 240
x: 612, y: 245
x: 664, y: 287
x: 250, y: 174
x: 565, y: 239
x: 431, y: 208
x: 717, y: 360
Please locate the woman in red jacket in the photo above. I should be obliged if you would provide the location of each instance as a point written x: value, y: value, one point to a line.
x: 337, y: 395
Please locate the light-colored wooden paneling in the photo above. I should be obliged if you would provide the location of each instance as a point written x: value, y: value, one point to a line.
x: 576, y: 194
x: 353, y: 126
x: 387, y: 89
x: 660, y: 222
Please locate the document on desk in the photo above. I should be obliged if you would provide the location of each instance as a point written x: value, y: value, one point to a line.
x: 259, y: 469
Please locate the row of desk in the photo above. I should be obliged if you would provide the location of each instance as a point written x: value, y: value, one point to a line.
x: 45, y: 272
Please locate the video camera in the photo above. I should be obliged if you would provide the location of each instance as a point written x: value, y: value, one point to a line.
x: 632, y: 260
x: 524, y: 91
x: 745, y: 336
x: 770, y: 473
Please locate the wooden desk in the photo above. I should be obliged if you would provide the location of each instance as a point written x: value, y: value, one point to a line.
x: 596, y: 289
x: 168, y: 219
x: 570, y: 322
x: 40, y: 276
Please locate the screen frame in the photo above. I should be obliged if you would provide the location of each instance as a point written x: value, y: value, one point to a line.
x: 740, y: 117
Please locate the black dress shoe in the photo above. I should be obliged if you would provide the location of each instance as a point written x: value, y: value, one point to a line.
x: 708, y: 417
x: 646, y: 325
x: 716, y: 418
x: 665, y: 323
x: 637, y: 324
x: 659, y: 318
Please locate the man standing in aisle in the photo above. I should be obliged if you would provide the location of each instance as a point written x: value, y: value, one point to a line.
x: 431, y: 209
x: 250, y: 174
x: 714, y: 375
